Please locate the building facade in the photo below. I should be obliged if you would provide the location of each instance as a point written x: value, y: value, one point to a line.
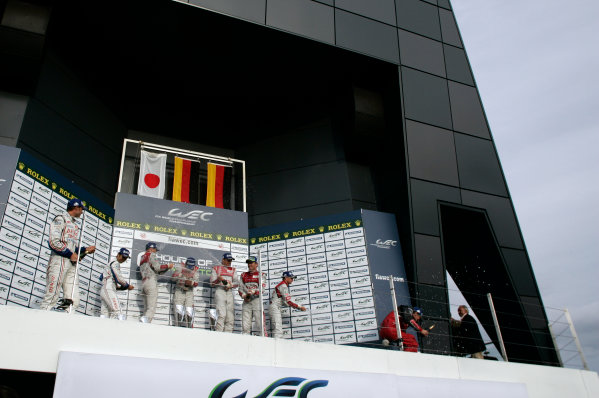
x: 335, y: 105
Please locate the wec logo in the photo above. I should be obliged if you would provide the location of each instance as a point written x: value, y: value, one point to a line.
x: 192, y: 215
x: 384, y: 244
x: 300, y: 388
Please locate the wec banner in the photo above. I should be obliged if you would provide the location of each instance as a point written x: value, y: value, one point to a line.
x: 86, y: 374
x: 180, y: 230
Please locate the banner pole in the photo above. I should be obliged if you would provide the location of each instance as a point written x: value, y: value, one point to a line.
x: 263, y: 328
x: 77, y: 263
x: 394, y: 300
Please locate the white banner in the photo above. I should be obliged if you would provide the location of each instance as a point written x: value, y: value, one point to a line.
x: 152, y: 175
x: 93, y: 375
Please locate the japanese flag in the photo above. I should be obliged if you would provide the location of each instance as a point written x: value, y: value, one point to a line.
x: 152, y: 175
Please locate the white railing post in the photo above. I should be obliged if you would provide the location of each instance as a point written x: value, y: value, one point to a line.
x: 575, y: 337
x: 394, y: 300
x: 496, y: 323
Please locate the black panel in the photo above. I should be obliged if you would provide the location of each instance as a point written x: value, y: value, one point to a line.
x: 449, y: 29
x: 306, y: 18
x: 444, y: 3
x: 426, y: 98
x: 382, y: 10
x: 21, y: 384
x: 424, y: 204
x: 310, y: 186
x: 366, y: 36
x: 248, y: 9
x: 478, y: 165
x: 438, y: 341
x: 79, y: 157
x: 421, y: 53
x: 467, y: 111
x: 520, y: 271
x: 457, y: 65
x: 501, y: 213
x: 429, y: 260
x: 433, y: 301
x: 431, y: 153
x: 418, y: 17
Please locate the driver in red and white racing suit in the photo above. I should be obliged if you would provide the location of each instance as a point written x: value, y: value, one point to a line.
x: 249, y: 290
x: 150, y: 269
x: 187, y: 277
x: 281, y: 298
x: 224, y: 279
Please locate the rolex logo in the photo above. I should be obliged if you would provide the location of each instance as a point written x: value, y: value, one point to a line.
x: 183, y: 232
x: 110, y: 220
x: 358, y: 223
x: 21, y: 165
x: 147, y: 227
x: 84, y: 204
x: 219, y: 236
x: 286, y: 235
x: 54, y: 185
x: 321, y: 229
x: 253, y: 240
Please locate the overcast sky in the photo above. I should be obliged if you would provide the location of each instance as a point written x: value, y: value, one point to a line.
x: 536, y: 64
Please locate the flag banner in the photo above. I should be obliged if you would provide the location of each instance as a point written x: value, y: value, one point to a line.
x: 218, y: 188
x: 152, y: 175
x: 186, y: 181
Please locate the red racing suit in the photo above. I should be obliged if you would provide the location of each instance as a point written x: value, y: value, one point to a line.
x: 150, y: 269
x: 280, y: 298
x: 249, y: 284
x: 389, y: 331
x: 223, y: 296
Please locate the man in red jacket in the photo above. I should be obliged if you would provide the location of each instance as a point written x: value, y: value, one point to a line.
x: 389, y: 329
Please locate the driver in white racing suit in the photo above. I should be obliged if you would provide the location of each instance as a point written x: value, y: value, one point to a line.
x: 281, y: 298
x: 186, y: 279
x: 112, y: 280
x: 150, y: 269
x: 249, y: 290
x: 63, y: 241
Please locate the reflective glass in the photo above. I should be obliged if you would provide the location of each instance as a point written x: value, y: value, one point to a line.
x: 421, y: 53
x: 247, y: 9
x: 306, y: 18
x: 426, y: 98
x: 431, y: 153
x: 425, y: 210
x: 382, y: 10
x: 366, y: 36
x: 467, y: 111
x: 457, y: 65
x: 419, y: 17
x: 501, y: 214
x: 478, y: 165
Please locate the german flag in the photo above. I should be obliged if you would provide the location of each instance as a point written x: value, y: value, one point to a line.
x: 186, y: 182
x: 218, y: 188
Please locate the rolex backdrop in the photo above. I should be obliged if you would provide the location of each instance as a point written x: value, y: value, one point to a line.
x: 180, y: 230
x: 342, y: 263
x: 36, y: 195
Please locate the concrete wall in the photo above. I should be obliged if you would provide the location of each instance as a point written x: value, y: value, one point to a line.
x: 31, y: 340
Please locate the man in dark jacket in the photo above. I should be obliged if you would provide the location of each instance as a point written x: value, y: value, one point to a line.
x: 467, y: 337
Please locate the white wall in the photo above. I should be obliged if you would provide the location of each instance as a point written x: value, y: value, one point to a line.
x: 31, y: 340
